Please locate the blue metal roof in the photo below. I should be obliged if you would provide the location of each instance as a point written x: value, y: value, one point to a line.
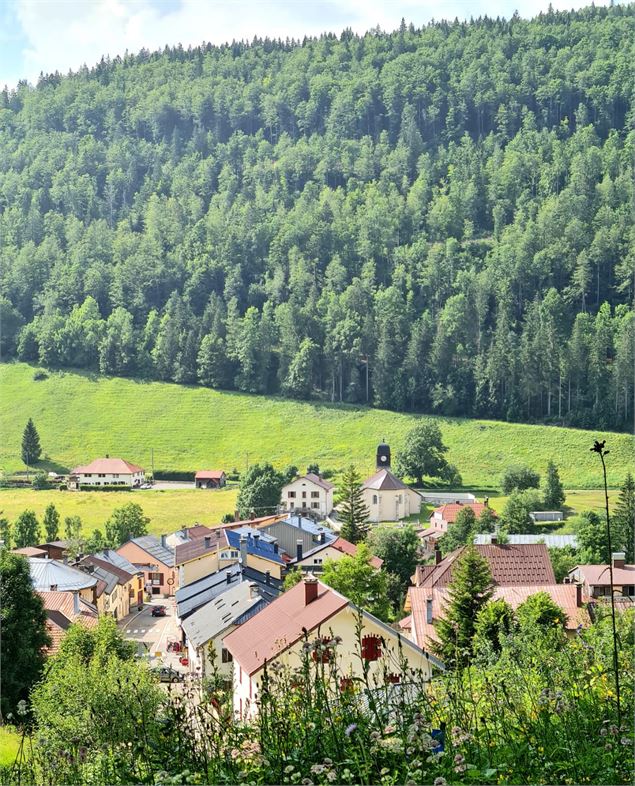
x: 258, y: 547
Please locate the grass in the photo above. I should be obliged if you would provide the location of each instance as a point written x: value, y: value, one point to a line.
x: 167, y: 510
x: 9, y: 745
x: 81, y: 416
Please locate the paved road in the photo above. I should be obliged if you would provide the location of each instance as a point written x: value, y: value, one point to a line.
x: 153, y: 633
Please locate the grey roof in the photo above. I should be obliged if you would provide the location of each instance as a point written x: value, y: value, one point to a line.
x: 295, y: 528
x: 384, y: 480
x: 219, y: 614
x: 551, y: 541
x: 116, y: 559
x: 109, y: 579
x: 196, y: 594
x: 152, y: 545
x: 47, y: 573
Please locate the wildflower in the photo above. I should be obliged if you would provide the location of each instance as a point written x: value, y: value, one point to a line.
x: 613, y: 729
x: 608, y: 747
x: 603, y: 732
x: 374, y: 736
x: 389, y: 729
x: 459, y: 759
x: 350, y: 729
x: 317, y: 769
x: 625, y: 741
x: 307, y: 782
x: 440, y: 782
x: 328, y: 762
x: 22, y: 707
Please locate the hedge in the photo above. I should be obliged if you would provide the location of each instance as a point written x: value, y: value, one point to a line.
x: 90, y: 487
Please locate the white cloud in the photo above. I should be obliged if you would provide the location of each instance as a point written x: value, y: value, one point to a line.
x: 64, y: 34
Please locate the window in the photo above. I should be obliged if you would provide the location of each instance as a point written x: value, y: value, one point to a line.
x: 315, y: 495
x: 304, y: 495
x: 317, y: 561
x: 374, y: 499
x: 315, y: 505
x: 226, y: 656
x: 88, y: 475
x: 115, y: 475
x: 101, y: 475
x: 371, y: 647
x: 156, y: 578
x: 400, y: 499
x: 291, y: 494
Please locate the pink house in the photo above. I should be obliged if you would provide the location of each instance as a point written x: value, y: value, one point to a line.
x: 155, y: 558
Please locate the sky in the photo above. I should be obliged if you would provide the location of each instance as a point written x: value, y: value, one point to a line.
x: 57, y: 35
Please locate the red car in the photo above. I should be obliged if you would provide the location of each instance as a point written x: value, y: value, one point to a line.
x: 158, y: 611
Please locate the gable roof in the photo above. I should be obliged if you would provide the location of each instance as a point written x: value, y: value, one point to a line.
x: 199, y: 546
x: 122, y: 576
x: 60, y: 614
x: 509, y: 564
x: 259, y: 547
x: 30, y: 551
x: 384, y: 480
x: 218, y: 614
x: 551, y: 541
x: 350, y: 549
x: 200, y: 592
x: 47, y: 573
x: 114, y: 558
x: 209, y: 474
x: 451, y: 510
x: 109, y: 466
x: 153, y: 546
x: 600, y: 576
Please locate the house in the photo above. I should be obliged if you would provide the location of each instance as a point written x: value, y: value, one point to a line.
x: 155, y: 558
x: 257, y: 550
x: 427, y: 605
x: 550, y: 541
x: 198, y: 557
x: 309, y: 492
x: 443, y: 516
x: 62, y: 610
x: 108, y: 472
x: 429, y: 540
x: 198, y: 593
x: 432, y: 497
x: 312, y: 611
x: 510, y: 565
x: 185, y: 534
x: 596, y: 579
x: 56, y: 549
x: 135, y: 587
x: 205, y: 629
x: 388, y: 498
x: 210, y: 479
x: 51, y: 575
x: 120, y: 586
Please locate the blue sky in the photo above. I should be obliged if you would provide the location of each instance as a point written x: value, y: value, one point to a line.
x: 50, y: 35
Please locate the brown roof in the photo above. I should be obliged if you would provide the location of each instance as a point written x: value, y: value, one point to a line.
x: 198, y: 531
x: 516, y: 564
x: 281, y: 624
x: 346, y: 547
x: 318, y: 481
x: 30, y: 551
x: 384, y: 480
x: 123, y: 577
x: 450, y: 511
x: 60, y: 614
x: 198, y: 547
x: 116, y: 466
x: 600, y: 576
x: 209, y: 474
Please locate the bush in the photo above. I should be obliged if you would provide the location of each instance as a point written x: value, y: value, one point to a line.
x: 520, y: 478
x: 170, y: 474
x: 88, y: 487
x: 39, y: 375
x: 40, y: 482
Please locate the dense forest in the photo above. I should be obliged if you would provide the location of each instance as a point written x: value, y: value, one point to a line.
x: 437, y: 219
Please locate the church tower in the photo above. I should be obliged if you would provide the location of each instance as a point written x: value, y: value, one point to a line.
x: 383, y: 456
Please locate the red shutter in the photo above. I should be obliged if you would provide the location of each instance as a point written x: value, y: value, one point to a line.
x: 371, y: 647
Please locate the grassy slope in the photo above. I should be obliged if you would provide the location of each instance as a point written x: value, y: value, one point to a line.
x: 80, y: 417
x: 9, y: 745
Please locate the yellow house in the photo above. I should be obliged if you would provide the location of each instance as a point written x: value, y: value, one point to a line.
x: 200, y: 556
x: 117, y: 589
x: 388, y: 498
x: 313, y: 612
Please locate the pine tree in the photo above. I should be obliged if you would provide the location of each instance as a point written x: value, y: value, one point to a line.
x: 51, y: 523
x: 5, y: 532
x: 554, y: 491
x: 471, y: 588
x: 624, y: 519
x: 31, y: 448
x: 352, y: 510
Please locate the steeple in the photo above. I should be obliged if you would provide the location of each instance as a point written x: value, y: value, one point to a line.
x: 383, y: 456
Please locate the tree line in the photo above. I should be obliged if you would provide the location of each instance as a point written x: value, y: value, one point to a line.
x: 436, y: 219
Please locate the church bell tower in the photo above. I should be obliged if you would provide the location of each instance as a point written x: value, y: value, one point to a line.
x: 383, y: 456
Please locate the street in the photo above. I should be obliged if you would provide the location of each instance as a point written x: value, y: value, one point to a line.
x: 152, y: 634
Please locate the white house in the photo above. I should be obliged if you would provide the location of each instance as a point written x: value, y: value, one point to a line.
x: 315, y: 611
x: 108, y: 472
x: 388, y: 498
x: 308, y: 492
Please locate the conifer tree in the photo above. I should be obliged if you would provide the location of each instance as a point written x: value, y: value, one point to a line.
x: 5, y: 531
x: 624, y: 519
x: 51, y: 523
x: 554, y: 491
x: 31, y: 448
x: 352, y: 510
x: 470, y: 590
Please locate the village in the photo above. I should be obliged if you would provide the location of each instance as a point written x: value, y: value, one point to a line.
x: 229, y: 600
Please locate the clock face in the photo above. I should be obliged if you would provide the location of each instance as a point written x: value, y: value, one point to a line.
x: 383, y: 458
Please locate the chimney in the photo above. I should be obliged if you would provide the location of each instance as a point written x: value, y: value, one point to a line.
x: 243, y: 549
x: 228, y: 577
x: 163, y: 541
x: 76, y: 607
x: 275, y: 548
x: 208, y: 541
x: 578, y: 595
x: 53, y: 587
x: 267, y: 577
x: 494, y: 539
x: 257, y: 538
x: 253, y: 590
x: 429, y: 611
x: 619, y: 559
x: 322, y: 536
x: 298, y: 549
x: 437, y: 555
x: 310, y: 589
x: 106, y: 552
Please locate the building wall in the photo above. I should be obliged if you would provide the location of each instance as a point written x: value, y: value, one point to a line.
x: 317, y: 561
x: 209, y: 656
x: 391, y: 505
x: 198, y: 568
x: 307, y: 495
x: 264, y: 565
x: 110, y: 479
x: 344, y: 625
x: 137, y: 555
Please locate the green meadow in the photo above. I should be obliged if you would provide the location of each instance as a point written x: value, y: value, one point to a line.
x: 81, y: 416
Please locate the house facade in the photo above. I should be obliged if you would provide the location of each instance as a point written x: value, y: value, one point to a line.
x: 313, y: 611
x: 388, y: 498
x: 310, y: 493
x: 108, y: 472
x: 210, y: 479
x: 199, y: 557
x: 445, y: 515
x: 155, y: 559
x: 596, y: 579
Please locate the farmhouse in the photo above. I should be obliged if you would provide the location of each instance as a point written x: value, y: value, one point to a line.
x: 108, y: 472
x: 309, y: 492
x: 312, y: 614
x: 210, y: 479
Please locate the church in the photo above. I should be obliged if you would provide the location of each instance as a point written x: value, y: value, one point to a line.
x: 387, y: 497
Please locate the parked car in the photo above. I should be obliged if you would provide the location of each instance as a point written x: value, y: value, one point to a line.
x: 159, y: 611
x: 168, y: 674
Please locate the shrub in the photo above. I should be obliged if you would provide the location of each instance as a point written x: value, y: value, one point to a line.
x: 520, y: 478
x: 40, y: 482
x: 88, y: 487
x: 39, y: 375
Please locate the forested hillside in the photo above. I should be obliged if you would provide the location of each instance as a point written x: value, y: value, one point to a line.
x: 449, y: 210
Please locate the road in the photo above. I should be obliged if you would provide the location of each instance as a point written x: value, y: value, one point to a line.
x: 153, y: 633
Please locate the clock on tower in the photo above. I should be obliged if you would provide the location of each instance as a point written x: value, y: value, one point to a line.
x: 383, y: 456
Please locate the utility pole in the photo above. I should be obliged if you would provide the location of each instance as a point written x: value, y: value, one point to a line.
x: 247, y: 461
x: 365, y: 361
x: 152, y: 462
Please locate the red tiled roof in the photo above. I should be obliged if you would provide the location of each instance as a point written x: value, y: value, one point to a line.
x: 199, y: 546
x: 30, y: 551
x: 564, y: 595
x: 346, y: 547
x: 280, y: 625
x: 198, y: 531
x: 60, y: 607
x: 115, y: 466
x: 600, y: 576
x: 450, y: 511
x: 516, y: 564
x: 209, y: 474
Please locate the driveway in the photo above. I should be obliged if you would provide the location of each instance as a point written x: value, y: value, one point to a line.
x: 152, y: 634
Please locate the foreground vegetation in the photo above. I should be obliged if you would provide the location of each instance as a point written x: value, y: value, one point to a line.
x: 80, y: 417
